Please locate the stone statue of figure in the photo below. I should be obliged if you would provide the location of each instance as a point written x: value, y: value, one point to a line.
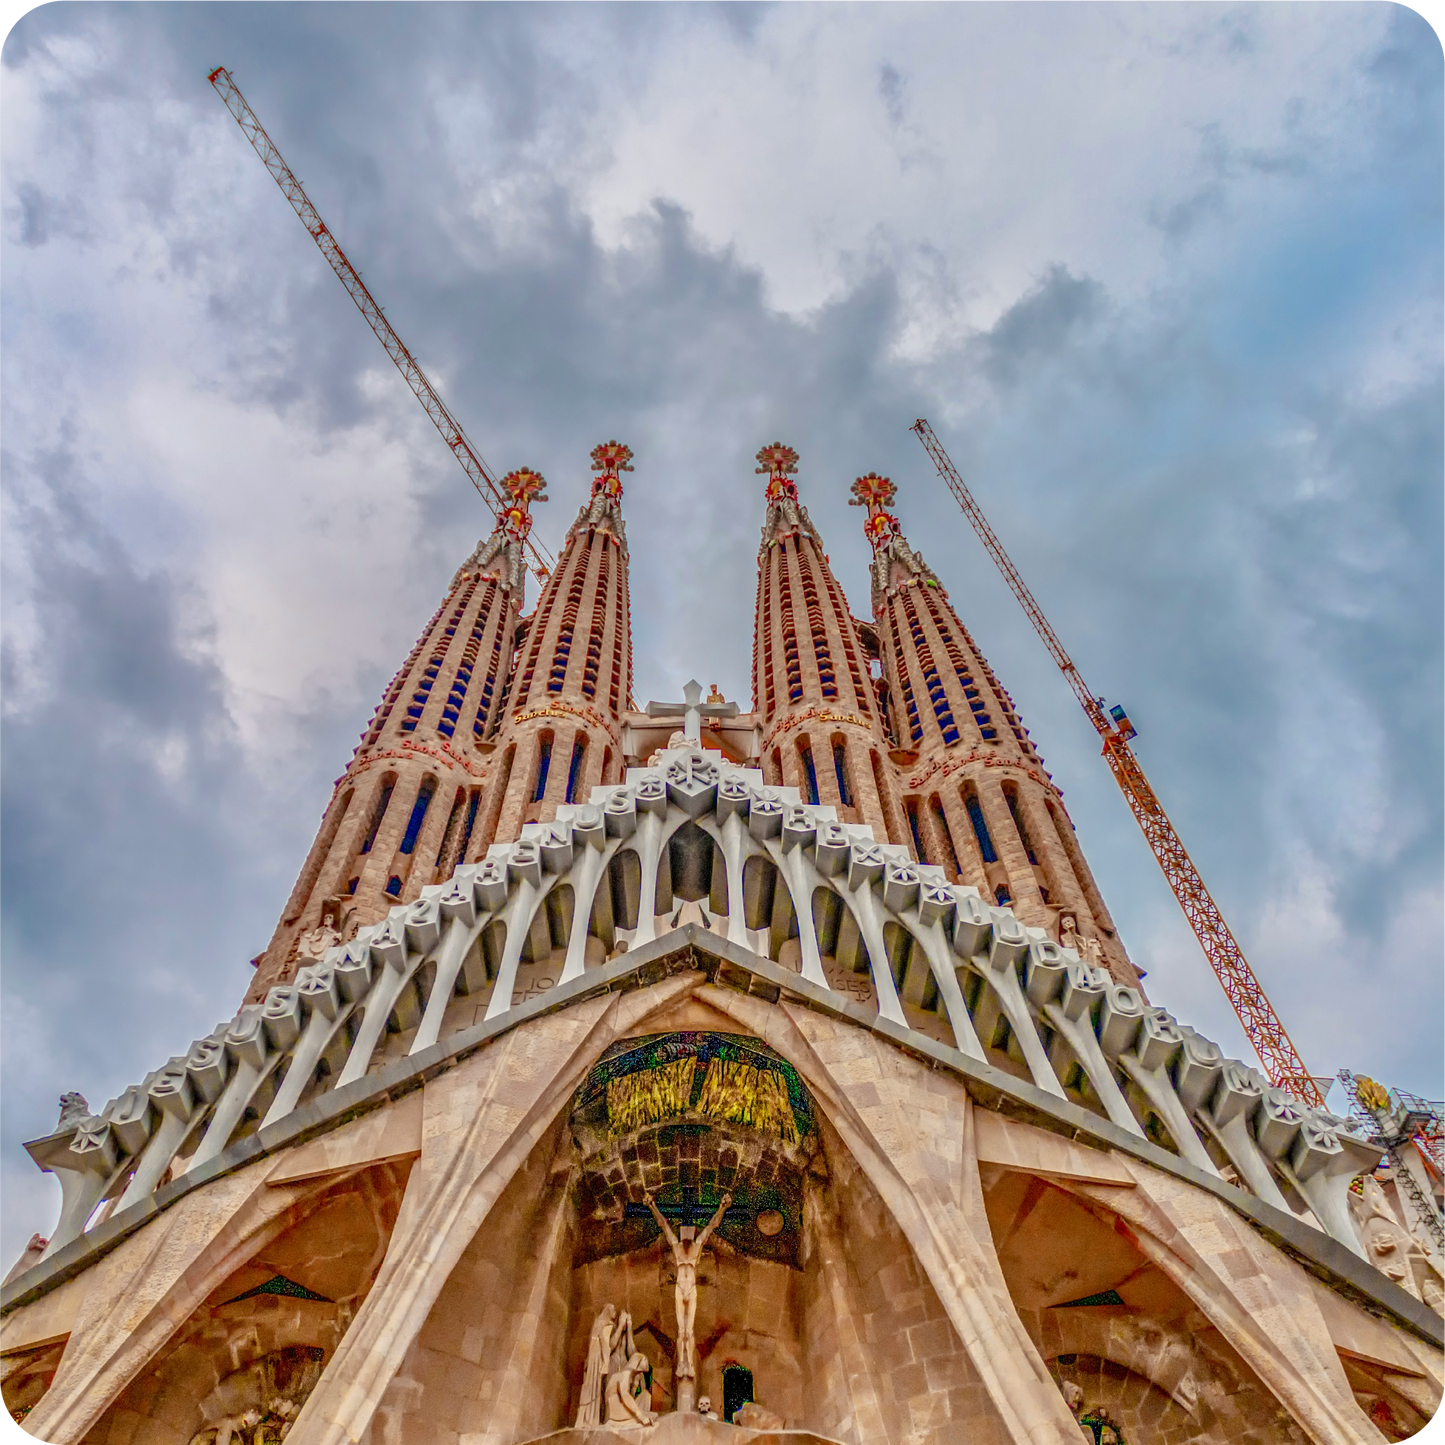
x: 594, y: 1381
x: 686, y: 1255
x: 628, y: 1401
x: 623, y: 1347
x: 1069, y: 934
x: 1387, y: 1245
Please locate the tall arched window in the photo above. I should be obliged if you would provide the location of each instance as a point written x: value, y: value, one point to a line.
x: 574, y: 768
x: 418, y: 813
x: 980, y: 826
x: 544, y: 764
x: 810, y: 773
x: 919, y: 851
x: 840, y: 767
x: 383, y: 800
x: 940, y: 823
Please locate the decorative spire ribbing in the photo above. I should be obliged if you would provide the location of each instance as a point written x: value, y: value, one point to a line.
x: 502, y: 555
x: 885, y: 535
x: 785, y: 514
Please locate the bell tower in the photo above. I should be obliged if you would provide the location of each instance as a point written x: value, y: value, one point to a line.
x: 976, y: 796
x: 821, y: 728
x: 563, y: 734
x: 405, y: 811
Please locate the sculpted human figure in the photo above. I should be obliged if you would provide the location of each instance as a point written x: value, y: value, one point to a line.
x: 623, y: 1347
x: 686, y: 1256
x: 594, y: 1381
x: 623, y: 1406
x: 1387, y: 1244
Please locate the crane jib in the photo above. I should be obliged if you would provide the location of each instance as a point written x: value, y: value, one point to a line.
x: 477, y: 471
x: 1266, y: 1033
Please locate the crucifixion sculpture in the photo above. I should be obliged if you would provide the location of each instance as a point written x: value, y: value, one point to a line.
x: 686, y: 1255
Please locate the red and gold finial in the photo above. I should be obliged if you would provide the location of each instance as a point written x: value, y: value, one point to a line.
x: 610, y: 459
x: 779, y: 464
x: 524, y: 486
x: 876, y: 493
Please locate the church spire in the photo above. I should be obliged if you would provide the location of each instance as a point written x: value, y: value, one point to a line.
x: 574, y: 672
x: 812, y: 688
x: 406, y: 810
x: 976, y: 796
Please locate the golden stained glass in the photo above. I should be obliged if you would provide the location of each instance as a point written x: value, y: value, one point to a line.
x: 743, y: 1094
x: 649, y: 1096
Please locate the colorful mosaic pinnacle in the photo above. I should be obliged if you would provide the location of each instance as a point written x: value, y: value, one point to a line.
x: 524, y: 486
x: 877, y: 494
x: 610, y: 459
x: 779, y: 464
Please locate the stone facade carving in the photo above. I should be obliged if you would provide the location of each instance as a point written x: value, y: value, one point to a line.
x: 258, y: 1404
x: 628, y: 1401
x: 686, y: 1255
x: 599, y: 1354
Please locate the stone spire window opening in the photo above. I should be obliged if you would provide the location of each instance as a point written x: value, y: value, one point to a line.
x: 449, y: 832
x: 422, y: 694
x: 810, y: 772
x: 562, y: 651
x: 383, y: 800
x: 819, y: 632
x: 941, y: 707
x: 790, y: 638
x: 840, y: 767
x: 1011, y: 797
x: 544, y: 764
x: 539, y: 630
x: 500, y: 783
x: 615, y: 696
x: 919, y: 851
x: 456, y: 698
x: 945, y: 836
x: 424, y: 795
x: 980, y: 825
x: 482, y: 721
x: 574, y: 768
x: 599, y: 622
x: 915, y: 727
x: 861, y: 694
x: 764, y: 641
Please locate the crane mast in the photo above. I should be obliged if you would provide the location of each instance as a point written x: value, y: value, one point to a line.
x: 451, y: 429
x: 1262, y: 1025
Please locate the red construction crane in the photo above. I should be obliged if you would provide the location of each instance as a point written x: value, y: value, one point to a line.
x: 450, y: 428
x: 1279, y: 1056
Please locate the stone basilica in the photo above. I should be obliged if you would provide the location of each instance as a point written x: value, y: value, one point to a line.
x: 684, y: 1074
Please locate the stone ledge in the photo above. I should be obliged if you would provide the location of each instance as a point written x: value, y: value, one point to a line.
x: 691, y: 948
x: 678, y: 1429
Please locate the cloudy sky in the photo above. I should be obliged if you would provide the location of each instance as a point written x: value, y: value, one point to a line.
x: 1166, y: 281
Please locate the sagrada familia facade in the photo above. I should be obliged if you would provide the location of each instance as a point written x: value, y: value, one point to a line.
x: 685, y: 1074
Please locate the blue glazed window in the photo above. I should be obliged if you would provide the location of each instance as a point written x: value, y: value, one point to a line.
x: 418, y: 817
x: 980, y: 830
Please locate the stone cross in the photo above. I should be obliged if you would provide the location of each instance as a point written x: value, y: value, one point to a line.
x: 692, y: 710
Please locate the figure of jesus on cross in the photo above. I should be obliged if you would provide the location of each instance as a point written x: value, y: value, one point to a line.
x: 686, y: 1254
x: 692, y: 710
